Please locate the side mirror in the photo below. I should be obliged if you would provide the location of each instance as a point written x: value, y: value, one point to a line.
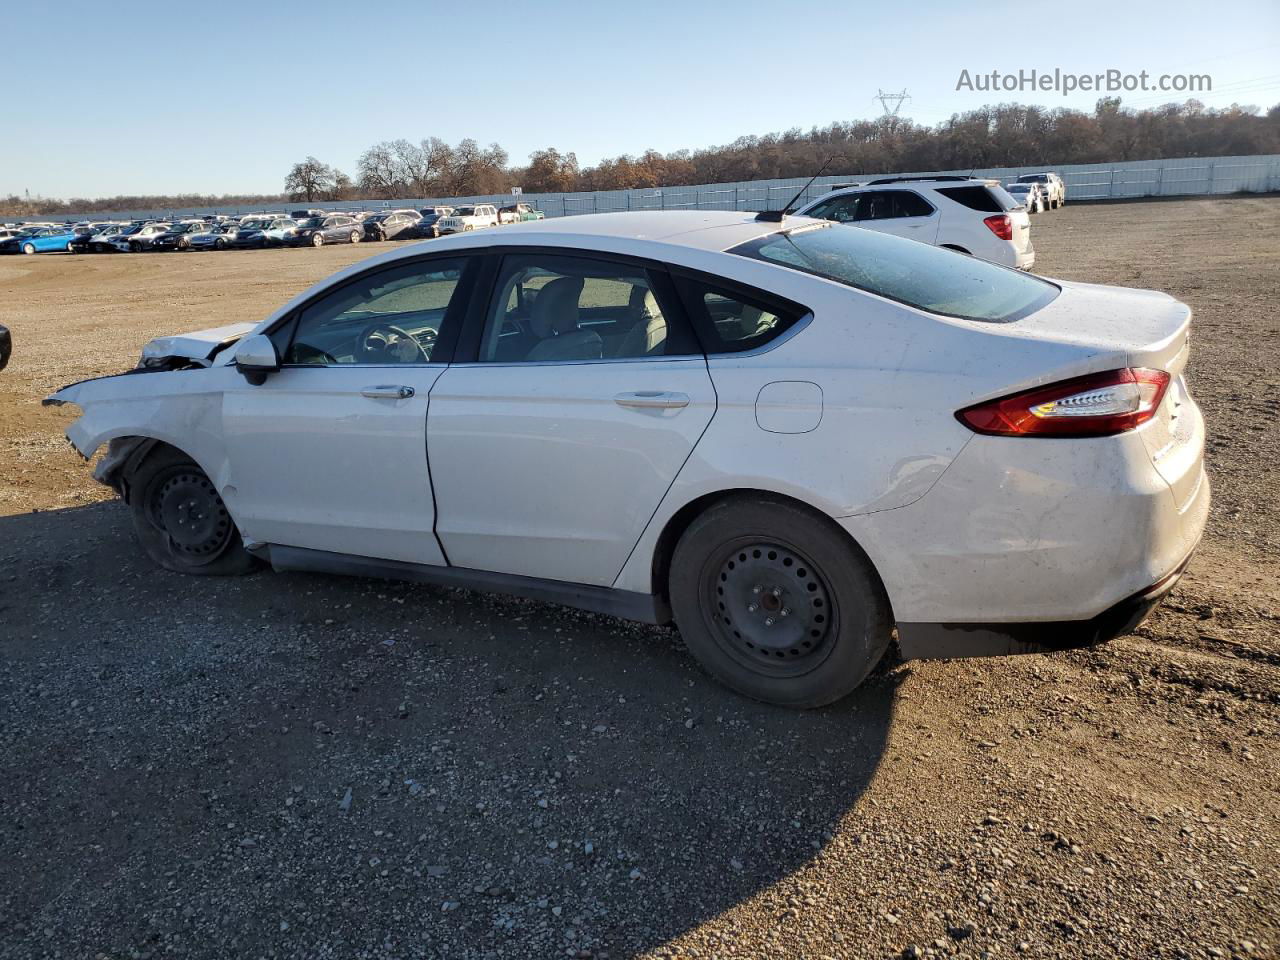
x: 256, y: 357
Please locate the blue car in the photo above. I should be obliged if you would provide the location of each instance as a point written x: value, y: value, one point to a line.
x: 47, y: 239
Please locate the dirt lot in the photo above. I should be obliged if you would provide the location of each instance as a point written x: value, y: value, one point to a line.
x: 302, y: 766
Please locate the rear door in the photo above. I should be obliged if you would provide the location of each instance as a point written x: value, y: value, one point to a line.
x: 582, y: 395
x: 903, y: 213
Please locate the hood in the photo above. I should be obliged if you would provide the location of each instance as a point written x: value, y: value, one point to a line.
x: 199, y: 346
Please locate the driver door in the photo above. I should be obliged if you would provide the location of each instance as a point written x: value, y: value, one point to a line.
x: 330, y: 452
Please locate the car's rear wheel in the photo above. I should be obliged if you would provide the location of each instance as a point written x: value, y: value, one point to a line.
x: 777, y: 603
x: 180, y: 519
x: 317, y: 240
x: 70, y: 248
x: 355, y: 236
x: 219, y: 244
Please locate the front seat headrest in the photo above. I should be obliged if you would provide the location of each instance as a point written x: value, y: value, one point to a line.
x: 555, y: 310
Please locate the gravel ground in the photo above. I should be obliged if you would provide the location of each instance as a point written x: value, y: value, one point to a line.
x: 302, y: 766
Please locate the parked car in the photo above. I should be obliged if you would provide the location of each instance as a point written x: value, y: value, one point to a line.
x: 6, y: 346
x: 336, y: 228
x: 518, y: 213
x: 138, y: 237
x: 219, y: 238
x: 428, y: 227
x: 791, y: 438
x: 970, y: 216
x: 87, y: 238
x: 1055, y: 190
x: 263, y: 231
x: 44, y: 240
x: 465, y: 219
x: 390, y: 226
x: 1030, y: 195
x: 179, y: 236
x: 13, y: 242
x: 306, y: 214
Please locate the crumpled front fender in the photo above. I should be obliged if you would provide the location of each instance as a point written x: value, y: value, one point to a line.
x: 182, y: 408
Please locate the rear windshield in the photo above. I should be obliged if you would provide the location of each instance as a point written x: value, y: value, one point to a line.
x: 910, y: 272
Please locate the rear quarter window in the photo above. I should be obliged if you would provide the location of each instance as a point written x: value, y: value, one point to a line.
x: 916, y: 274
x: 982, y: 199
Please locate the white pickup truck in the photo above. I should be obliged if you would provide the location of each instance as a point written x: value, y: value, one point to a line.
x: 468, y: 218
x: 1055, y: 191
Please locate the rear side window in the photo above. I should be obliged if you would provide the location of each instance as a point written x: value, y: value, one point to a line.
x: 917, y: 274
x: 975, y: 198
x: 734, y: 320
x: 908, y: 203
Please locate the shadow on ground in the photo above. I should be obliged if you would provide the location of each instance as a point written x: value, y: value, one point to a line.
x: 292, y: 765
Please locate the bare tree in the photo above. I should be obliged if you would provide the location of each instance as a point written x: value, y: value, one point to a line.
x: 309, y: 180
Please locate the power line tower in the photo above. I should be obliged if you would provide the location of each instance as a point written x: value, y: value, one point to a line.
x: 891, y: 98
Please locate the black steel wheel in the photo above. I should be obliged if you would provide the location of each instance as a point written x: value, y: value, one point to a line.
x: 181, y: 520
x: 777, y: 602
x: 771, y: 607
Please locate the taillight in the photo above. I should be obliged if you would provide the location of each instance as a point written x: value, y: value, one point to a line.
x: 1001, y: 225
x: 1097, y: 405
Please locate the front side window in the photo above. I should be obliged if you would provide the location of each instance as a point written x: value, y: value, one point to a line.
x: 909, y: 272
x: 842, y: 209
x: 549, y: 308
x: 389, y: 317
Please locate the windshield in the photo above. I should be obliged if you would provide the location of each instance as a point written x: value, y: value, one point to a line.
x: 1019, y: 188
x: 1034, y: 178
x: 312, y: 222
x: 464, y: 212
x: 917, y: 274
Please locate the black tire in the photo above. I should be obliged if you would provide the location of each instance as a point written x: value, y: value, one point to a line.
x: 741, y: 564
x: 219, y: 244
x: 167, y: 491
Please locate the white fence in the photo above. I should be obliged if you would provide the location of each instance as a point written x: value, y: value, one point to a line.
x: 1187, y: 176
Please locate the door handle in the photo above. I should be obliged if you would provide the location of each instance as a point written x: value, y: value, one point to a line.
x: 392, y: 391
x: 652, y: 400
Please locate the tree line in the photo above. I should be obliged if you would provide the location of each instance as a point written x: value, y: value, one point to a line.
x: 1003, y: 135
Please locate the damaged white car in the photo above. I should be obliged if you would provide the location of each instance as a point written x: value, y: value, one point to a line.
x: 788, y: 436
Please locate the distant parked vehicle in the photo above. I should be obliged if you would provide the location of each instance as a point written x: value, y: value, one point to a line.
x: 1030, y: 195
x: 46, y: 240
x: 971, y: 216
x: 392, y: 225
x: 336, y: 228
x: 6, y: 346
x: 428, y: 228
x: 219, y: 238
x: 87, y: 241
x: 519, y: 213
x: 13, y: 242
x: 139, y: 237
x: 307, y: 214
x: 263, y: 231
x: 1055, y: 190
x: 466, y: 219
x: 178, y: 236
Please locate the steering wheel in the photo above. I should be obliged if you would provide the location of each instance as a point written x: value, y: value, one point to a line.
x: 398, y: 345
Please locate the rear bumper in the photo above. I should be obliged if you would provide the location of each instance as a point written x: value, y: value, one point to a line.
x: 939, y: 641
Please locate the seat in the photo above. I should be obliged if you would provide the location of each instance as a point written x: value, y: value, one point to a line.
x: 554, y: 320
x: 648, y: 334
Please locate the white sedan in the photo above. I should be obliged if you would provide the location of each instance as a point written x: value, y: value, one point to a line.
x: 790, y: 437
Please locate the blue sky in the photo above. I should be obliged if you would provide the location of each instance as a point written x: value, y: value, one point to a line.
x: 147, y: 97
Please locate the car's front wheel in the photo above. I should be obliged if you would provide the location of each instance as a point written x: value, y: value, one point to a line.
x: 180, y: 519
x: 778, y: 603
x: 317, y: 240
x: 28, y: 248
